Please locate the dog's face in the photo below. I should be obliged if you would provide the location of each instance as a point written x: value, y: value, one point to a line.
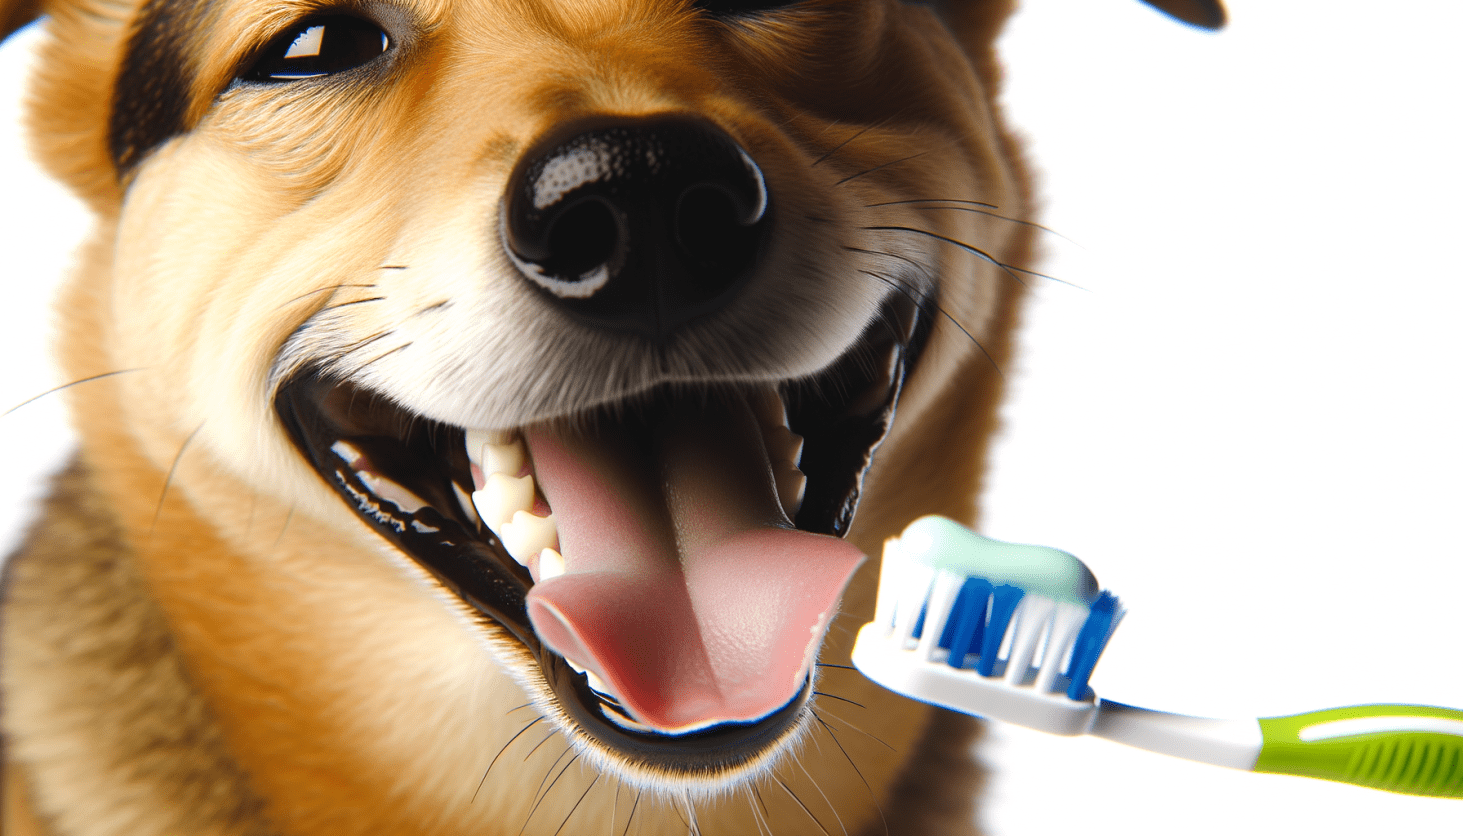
x: 579, y: 327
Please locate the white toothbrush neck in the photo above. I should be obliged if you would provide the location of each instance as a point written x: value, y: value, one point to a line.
x: 1233, y: 743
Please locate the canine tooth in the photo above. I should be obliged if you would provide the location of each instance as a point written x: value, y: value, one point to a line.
x: 496, y: 451
x: 504, y: 458
x: 501, y: 496
x: 791, y: 485
x: 526, y: 535
x: 769, y: 408
x: 550, y: 565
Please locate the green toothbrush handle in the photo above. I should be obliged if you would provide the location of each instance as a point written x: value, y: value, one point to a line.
x: 1413, y: 749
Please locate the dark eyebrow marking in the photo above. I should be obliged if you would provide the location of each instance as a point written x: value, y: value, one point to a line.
x: 155, y: 84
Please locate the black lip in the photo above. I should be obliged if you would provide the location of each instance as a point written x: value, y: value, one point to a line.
x: 428, y: 458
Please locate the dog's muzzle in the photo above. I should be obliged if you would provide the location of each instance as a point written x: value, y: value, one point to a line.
x: 637, y: 226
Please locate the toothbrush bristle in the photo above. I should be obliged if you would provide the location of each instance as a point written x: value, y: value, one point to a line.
x: 995, y: 629
x: 1102, y: 620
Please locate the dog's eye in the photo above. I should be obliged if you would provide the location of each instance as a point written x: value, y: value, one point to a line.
x: 735, y: 7
x: 319, y: 46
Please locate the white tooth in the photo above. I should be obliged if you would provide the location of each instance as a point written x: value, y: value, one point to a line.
x: 496, y: 451
x: 599, y: 684
x: 463, y: 500
x: 784, y: 445
x: 392, y: 492
x: 769, y: 408
x: 550, y: 565
x: 791, y: 485
x: 346, y: 451
x: 501, y: 497
x: 578, y: 668
x: 474, y: 440
x: 794, y: 449
x: 527, y: 535
x: 504, y: 458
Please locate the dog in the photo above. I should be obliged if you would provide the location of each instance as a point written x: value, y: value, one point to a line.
x: 485, y: 408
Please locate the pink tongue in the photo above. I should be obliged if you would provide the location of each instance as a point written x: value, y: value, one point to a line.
x: 686, y: 589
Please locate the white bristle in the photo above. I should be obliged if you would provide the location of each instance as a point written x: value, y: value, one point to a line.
x: 1027, y: 683
x: 889, y: 570
x: 1067, y: 623
x: 941, y: 597
x: 914, y: 588
x: 1032, y: 617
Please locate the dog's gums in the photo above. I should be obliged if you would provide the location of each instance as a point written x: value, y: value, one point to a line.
x: 511, y: 521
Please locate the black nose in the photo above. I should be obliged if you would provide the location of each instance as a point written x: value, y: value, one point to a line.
x: 638, y: 226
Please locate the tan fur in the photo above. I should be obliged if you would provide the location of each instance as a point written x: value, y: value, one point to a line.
x: 200, y: 638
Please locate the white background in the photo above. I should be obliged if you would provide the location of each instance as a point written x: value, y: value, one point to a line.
x: 1246, y: 421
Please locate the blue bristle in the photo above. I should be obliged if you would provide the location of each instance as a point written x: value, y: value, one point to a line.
x: 919, y: 623
x: 967, y: 619
x: 1004, y: 599
x: 1101, y: 622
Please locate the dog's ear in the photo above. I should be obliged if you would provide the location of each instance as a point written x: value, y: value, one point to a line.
x: 17, y: 13
x: 1206, y: 14
x: 71, y: 87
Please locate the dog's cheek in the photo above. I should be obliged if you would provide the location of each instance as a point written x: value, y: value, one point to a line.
x: 200, y: 294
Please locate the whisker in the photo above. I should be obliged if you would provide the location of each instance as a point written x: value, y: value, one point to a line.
x: 615, y: 806
x: 445, y: 303
x: 327, y: 289
x: 550, y: 788
x: 1072, y: 285
x: 540, y: 798
x: 1008, y: 269
x: 360, y: 344
x: 873, y: 796
x: 899, y: 286
x: 53, y: 391
x: 352, y: 302
x: 168, y: 482
x: 633, y: 808
x: 401, y: 347
x: 918, y: 200
x: 494, y: 762
x: 288, y: 518
x: 970, y: 206
x: 831, y: 665
x: 840, y: 146
x: 577, y: 803
x: 881, y: 167
x: 538, y: 744
x: 693, y: 823
x: 794, y: 797
x: 819, y: 790
x: 392, y: 267
x: 860, y: 731
x: 759, y: 816
x: 840, y: 699
x: 973, y: 250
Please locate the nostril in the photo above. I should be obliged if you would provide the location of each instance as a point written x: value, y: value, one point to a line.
x: 584, y: 244
x: 640, y: 225
x: 713, y: 232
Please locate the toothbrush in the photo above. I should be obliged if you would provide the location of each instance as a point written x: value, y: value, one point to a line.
x: 1013, y: 632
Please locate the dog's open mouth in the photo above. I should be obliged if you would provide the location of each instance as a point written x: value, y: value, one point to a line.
x: 672, y: 561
